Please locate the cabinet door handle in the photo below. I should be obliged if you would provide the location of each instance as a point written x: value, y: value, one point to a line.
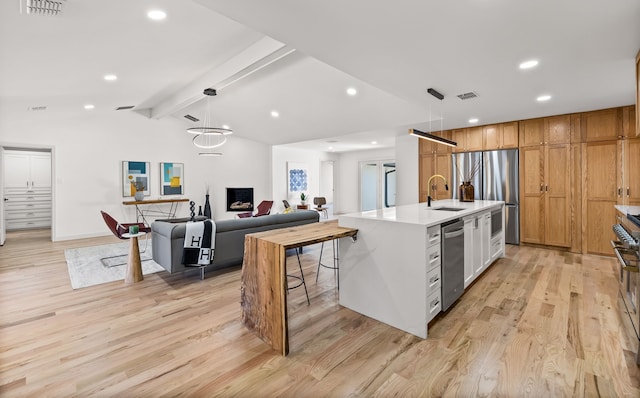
x: 627, y: 192
x: 546, y: 188
x: 619, y: 191
x: 541, y: 187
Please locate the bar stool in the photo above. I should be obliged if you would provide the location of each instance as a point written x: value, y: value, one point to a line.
x: 336, y: 261
x: 299, y: 278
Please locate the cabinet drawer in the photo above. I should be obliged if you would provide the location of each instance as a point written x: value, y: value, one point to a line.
x: 433, y: 257
x: 434, y: 280
x: 27, y: 191
x: 27, y: 224
x: 433, y: 235
x: 496, y: 246
x: 27, y: 206
x: 434, y: 305
x: 29, y: 214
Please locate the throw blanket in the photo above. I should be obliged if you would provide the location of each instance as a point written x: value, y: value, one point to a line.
x: 199, y: 243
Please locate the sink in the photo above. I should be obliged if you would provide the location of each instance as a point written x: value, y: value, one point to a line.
x: 447, y: 208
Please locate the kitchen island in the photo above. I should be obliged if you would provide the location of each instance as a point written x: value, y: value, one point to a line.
x: 394, y: 271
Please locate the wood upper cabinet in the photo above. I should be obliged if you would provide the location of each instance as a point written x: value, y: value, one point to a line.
x: 629, y: 121
x: 557, y: 129
x: 531, y: 132
x: 638, y: 94
x: 468, y: 140
x: 432, y: 147
x: 500, y: 136
x: 602, y: 125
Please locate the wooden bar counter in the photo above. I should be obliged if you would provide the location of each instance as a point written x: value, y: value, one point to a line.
x: 263, y: 286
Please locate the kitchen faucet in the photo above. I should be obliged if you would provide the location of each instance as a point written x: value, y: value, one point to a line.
x: 446, y: 186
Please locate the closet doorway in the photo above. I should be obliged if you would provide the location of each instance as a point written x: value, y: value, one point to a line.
x: 26, y: 186
x: 377, y: 184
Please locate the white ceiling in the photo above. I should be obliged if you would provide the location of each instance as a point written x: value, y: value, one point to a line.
x: 298, y: 58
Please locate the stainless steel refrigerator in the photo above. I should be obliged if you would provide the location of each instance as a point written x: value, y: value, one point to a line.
x: 495, y: 178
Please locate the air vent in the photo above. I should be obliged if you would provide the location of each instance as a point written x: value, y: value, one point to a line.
x: 466, y: 96
x: 37, y: 108
x: 124, y: 108
x: 193, y: 119
x: 42, y: 7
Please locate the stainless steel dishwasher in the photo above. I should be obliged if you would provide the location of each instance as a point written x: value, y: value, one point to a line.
x: 452, y: 262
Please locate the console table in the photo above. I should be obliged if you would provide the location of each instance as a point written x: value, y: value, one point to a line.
x: 263, y: 286
x: 142, y: 213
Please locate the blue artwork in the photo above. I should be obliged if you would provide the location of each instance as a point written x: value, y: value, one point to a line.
x: 297, y: 180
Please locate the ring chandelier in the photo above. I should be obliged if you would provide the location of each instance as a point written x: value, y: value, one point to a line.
x: 208, y: 136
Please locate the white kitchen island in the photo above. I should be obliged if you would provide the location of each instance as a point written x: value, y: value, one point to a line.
x: 393, y: 272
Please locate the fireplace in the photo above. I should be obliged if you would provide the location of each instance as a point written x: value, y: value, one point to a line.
x: 239, y: 199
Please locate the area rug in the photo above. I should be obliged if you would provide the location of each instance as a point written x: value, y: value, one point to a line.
x: 86, y: 269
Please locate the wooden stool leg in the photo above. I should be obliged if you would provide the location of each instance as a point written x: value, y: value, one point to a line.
x: 134, y: 265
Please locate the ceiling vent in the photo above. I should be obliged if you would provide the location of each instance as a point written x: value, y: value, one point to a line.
x: 124, y: 108
x: 42, y: 7
x: 193, y: 119
x: 466, y: 96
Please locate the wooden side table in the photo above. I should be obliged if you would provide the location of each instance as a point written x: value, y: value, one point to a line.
x: 134, y: 265
x: 303, y: 207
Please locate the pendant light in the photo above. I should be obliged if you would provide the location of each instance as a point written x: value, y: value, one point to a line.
x: 209, y: 136
x: 429, y: 136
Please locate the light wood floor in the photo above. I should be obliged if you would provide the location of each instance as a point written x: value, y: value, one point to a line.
x: 539, y: 323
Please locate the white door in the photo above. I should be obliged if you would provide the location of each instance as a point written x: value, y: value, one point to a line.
x: 16, y: 170
x: 3, y: 228
x: 326, y: 180
x: 41, y: 170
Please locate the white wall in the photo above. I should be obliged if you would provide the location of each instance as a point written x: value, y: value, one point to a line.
x: 408, y: 190
x: 280, y: 156
x: 88, y: 150
x: 347, y: 194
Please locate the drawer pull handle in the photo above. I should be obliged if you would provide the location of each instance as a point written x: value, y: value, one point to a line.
x: 435, y: 303
x: 434, y: 279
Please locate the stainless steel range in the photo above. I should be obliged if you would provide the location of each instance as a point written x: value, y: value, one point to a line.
x: 628, y: 253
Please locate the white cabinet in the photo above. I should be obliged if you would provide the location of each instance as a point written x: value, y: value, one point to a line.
x: 27, y: 169
x: 485, y: 240
x: 27, y: 192
x: 471, y: 250
x: 479, y: 249
x: 434, y: 272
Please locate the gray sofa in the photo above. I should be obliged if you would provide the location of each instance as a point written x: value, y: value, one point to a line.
x: 167, y: 238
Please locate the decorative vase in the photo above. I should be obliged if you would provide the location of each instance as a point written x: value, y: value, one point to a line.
x: 139, y: 196
x: 303, y: 203
x: 467, y: 192
x: 207, y: 206
x: 199, y: 210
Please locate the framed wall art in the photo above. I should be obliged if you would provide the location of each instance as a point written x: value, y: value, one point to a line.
x: 171, y: 178
x: 135, y: 178
x: 297, y: 179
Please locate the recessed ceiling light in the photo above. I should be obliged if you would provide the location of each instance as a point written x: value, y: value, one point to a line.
x: 352, y: 91
x: 225, y: 126
x: 331, y: 148
x: 157, y: 15
x: 275, y: 114
x: 473, y: 120
x: 543, y: 98
x: 110, y: 78
x: 374, y: 142
x: 528, y: 64
x: 89, y: 106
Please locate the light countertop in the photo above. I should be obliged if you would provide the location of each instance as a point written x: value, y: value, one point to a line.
x: 420, y: 214
x: 628, y: 209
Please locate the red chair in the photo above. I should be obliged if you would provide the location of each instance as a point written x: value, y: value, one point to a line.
x: 264, y: 208
x: 118, y: 230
